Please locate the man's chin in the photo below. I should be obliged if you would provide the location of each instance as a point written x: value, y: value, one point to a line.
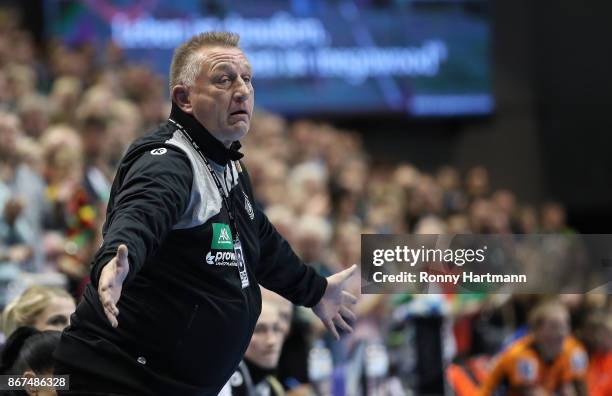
x: 238, y: 131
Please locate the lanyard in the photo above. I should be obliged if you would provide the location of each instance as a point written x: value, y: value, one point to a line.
x: 225, y: 197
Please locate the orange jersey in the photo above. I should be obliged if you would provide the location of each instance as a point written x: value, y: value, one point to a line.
x: 520, y: 367
x: 599, y: 377
x: 465, y: 379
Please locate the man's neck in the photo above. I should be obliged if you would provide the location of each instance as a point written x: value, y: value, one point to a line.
x: 213, y: 148
x: 226, y: 143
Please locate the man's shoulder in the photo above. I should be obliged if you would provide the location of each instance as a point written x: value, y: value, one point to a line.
x: 157, y: 136
x: 157, y: 143
x: 153, y: 153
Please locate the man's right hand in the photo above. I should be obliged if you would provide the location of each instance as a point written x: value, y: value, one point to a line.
x: 111, y: 281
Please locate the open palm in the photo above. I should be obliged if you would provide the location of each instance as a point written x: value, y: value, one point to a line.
x: 111, y: 282
x: 335, y: 307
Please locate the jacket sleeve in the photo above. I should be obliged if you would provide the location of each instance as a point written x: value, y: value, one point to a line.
x: 146, y: 204
x: 282, y: 271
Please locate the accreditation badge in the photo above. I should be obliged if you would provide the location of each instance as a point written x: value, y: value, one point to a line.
x: 242, y: 271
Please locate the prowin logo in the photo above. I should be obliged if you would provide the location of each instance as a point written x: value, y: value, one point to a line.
x: 221, y: 258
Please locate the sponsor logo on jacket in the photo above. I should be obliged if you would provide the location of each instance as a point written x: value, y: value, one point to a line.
x: 248, y: 207
x: 222, y: 237
x: 222, y: 258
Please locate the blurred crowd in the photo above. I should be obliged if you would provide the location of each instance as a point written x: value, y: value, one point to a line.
x: 68, y: 113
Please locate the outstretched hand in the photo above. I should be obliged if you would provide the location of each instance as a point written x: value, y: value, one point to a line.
x: 335, y: 307
x: 111, y: 282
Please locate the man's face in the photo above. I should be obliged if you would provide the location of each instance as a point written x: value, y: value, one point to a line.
x: 222, y: 97
x: 267, y: 341
x: 551, y: 333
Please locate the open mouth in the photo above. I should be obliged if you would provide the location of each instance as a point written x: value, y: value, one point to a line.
x: 239, y: 112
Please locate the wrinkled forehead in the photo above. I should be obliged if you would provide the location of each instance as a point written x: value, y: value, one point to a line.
x: 224, y: 57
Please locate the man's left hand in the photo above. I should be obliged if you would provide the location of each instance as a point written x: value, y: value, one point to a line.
x: 335, y: 307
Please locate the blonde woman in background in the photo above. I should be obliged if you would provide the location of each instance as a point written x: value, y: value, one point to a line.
x: 41, y: 307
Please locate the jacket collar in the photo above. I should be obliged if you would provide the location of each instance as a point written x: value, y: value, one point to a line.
x: 210, y: 146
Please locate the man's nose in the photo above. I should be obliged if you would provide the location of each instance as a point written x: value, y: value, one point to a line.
x: 272, y: 337
x: 242, y: 91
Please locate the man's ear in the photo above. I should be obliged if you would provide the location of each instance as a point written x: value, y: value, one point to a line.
x: 30, y: 390
x: 180, y: 96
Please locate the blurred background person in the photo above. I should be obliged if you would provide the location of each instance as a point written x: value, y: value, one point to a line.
x: 21, y: 197
x: 41, y: 307
x: 597, y: 334
x: 28, y: 353
x: 547, y: 361
x: 256, y: 375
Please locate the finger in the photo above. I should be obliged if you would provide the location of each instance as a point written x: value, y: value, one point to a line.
x: 108, y: 312
x: 122, y: 254
x: 348, y: 298
x: 107, y: 300
x: 347, y: 314
x: 331, y: 328
x: 347, y: 273
x: 111, y: 317
x: 111, y: 308
x: 342, y: 324
x: 109, y: 304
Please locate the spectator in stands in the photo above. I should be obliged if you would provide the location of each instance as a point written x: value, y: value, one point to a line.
x: 284, y: 220
x: 144, y: 88
x: 284, y: 306
x: 256, y: 374
x: 125, y: 125
x: 554, y: 218
x: 293, y: 360
x: 313, y: 236
x: 34, y: 114
x: 477, y: 182
x: 545, y: 362
x: 599, y: 376
x: 44, y: 308
x: 527, y: 219
x: 22, y: 81
x: 64, y: 98
x: 94, y: 135
x: 21, y: 196
x: 28, y: 353
x: 62, y: 152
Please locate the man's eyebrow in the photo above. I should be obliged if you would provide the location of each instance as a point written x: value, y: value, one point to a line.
x: 223, y: 66
x: 227, y: 66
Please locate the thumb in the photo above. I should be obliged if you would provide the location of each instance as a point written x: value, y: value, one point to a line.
x: 122, y: 254
x: 347, y: 273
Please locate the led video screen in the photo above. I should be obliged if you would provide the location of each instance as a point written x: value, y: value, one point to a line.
x: 421, y: 58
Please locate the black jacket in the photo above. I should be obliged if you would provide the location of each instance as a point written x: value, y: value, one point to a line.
x: 184, y: 319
